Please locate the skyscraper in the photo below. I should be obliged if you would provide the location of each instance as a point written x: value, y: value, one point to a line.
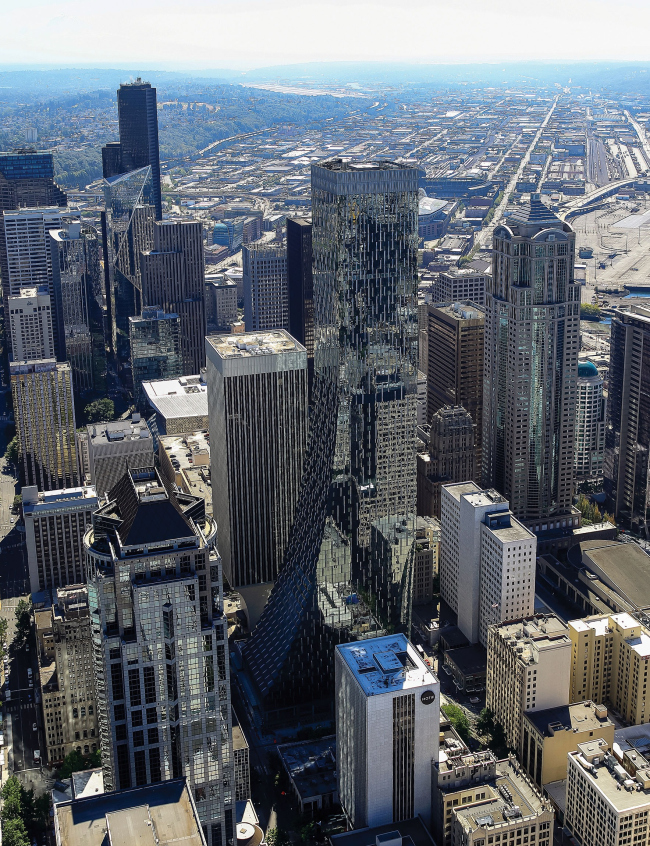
x: 138, y: 145
x: 161, y: 646
x: 127, y: 230
x: 79, y: 299
x: 627, y: 477
x: 532, y: 322
x: 300, y: 282
x: 266, y: 302
x: 590, y: 423
x: 30, y: 324
x: 173, y: 280
x: 257, y: 405
x: 360, y: 462
x: 26, y: 254
x: 155, y: 349
x: 45, y: 423
x: 26, y: 180
x: 487, y: 560
x: 383, y: 685
x: 55, y: 524
x: 451, y: 457
x: 455, y: 362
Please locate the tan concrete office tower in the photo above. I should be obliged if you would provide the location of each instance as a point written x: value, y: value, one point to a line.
x: 455, y: 362
x: 45, y: 423
x: 532, y: 324
x: 173, y: 280
x: 257, y: 408
x: 451, y: 457
x: 30, y: 322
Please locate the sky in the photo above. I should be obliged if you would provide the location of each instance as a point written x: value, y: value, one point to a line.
x: 243, y: 34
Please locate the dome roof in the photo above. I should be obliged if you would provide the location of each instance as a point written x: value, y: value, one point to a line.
x: 587, y: 370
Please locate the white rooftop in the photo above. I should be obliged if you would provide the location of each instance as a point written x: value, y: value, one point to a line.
x: 386, y: 664
x: 184, y: 397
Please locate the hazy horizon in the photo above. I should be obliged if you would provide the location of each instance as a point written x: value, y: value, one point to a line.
x: 209, y: 34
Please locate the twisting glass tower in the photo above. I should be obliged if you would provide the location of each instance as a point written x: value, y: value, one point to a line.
x: 360, y: 463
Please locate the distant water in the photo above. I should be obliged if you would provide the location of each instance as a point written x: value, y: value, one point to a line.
x: 636, y: 293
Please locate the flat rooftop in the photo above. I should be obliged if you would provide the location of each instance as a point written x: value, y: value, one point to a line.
x: 311, y: 765
x: 578, y: 717
x: 608, y: 780
x: 386, y: 665
x: 535, y: 634
x: 155, y: 815
x: 102, y: 434
x: 623, y: 566
x: 462, y: 310
x: 412, y: 832
x: 172, y: 398
x: 61, y: 498
x: 250, y: 344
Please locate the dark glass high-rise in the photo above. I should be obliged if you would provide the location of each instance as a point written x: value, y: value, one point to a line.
x: 127, y: 229
x: 361, y: 454
x: 138, y: 144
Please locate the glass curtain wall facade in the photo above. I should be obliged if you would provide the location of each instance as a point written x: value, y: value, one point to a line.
x: 127, y: 225
x: 155, y: 349
x: 532, y: 323
x: 160, y: 646
x: 78, y: 294
x: 360, y: 462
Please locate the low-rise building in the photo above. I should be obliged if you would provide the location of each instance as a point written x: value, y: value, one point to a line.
x: 113, y: 448
x: 185, y: 462
x: 180, y: 405
x: 478, y: 799
x: 311, y: 768
x: 67, y: 678
x: 606, y: 805
x: 610, y: 661
x: 528, y: 669
x: 163, y: 814
x: 549, y: 735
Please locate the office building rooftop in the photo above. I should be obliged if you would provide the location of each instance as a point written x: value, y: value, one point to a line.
x: 386, y: 664
x: 184, y: 397
x: 161, y: 814
x: 133, y: 429
x: 579, y: 717
x: 254, y: 343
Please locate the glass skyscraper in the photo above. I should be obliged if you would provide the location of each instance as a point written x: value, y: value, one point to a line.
x: 361, y: 455
x: 79, y: 296
x: 138, y: 144
x: 127, y: 225
x: 532, y: 323
x: 155, y: 349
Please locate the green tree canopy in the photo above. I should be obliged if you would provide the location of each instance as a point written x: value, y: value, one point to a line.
x: 12, y: 453
x: 76, y: 762
x: 100, y: 411
x: 458, y: 718
x: 23, y: 617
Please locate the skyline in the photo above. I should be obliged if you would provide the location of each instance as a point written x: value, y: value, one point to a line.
x: 211, y: 34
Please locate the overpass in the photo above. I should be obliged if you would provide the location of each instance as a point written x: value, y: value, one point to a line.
x: 588, y: 202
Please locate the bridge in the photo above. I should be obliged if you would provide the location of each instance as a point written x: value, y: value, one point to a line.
x: 588, y: 202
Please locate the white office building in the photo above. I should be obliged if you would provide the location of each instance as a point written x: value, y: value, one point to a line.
x: 29, y: 257
x: 30, y: 322
x: 487, y: 560
x: 607, y: 795
x: 387, y: 704
x: 55, y: 524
